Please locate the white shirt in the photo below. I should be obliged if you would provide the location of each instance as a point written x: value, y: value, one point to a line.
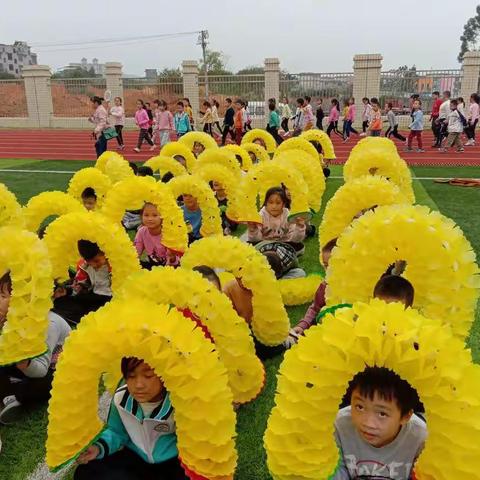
x: 444, y: 109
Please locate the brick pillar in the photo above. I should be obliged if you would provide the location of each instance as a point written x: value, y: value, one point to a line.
x: 471, y: 74
x: 113, y: 76
x: 190, y: 84
x: 39, y: 94
x: 366, y: 78
x: 272, y: 82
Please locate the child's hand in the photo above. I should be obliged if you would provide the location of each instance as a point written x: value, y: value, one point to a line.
x: 23, y: 365
x: 60, y: 292
x: 298, y: 330
x: 91, y: 453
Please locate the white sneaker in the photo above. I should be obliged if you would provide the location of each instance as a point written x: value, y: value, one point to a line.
x: 136, y: 149
x: 470, y: 143
x: 10, y: 411
x: 363, y: 134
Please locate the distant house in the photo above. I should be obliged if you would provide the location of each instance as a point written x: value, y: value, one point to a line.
x: 98, y: 68
x: 14, y: 57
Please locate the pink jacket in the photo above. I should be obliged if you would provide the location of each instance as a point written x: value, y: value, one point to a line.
x: 315, y: 307
x: 352, y: 111
x: 276, y: 228
x: 152, y: 246
x: 100, y: 119
x: 141, y: 118
x: 334, y: 115
x: 474, y: 112
x: 163, y: 120
x: 118, y: 113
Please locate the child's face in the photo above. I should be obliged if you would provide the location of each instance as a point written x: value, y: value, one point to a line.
x: 218, y: 188
x: 139, y: 106
x: 151, y: 218
x: 416, y: 104
x: 161, y: 107
x: 118, y: 102
x: 89, y: 203
x: 180, y: 160
x: 453, y: 106
x: 180, y: 108
x: 259, y: 141
x: 228, y: 104
x: 377, y: 421
x: 274, y: 205
x: 5, y: 296
x: 98, y: 261
x: 198, y: 148
x: 375, y: 107
x: 190, y: 202
x: 144, y: 385
x: 253, y: 157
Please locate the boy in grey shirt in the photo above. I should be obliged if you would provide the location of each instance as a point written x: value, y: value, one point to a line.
x: 393, y: 124
x: 379, y: 436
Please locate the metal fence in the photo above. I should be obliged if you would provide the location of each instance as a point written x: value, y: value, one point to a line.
x: 317, y: 85
x: 397, y: 86
x: 13, y: 101
x: 148, y: 90
x: 71, y: 96
x: 250, y: 87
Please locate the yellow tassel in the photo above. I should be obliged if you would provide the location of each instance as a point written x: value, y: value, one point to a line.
x: 93, y: 178
x: 10, y: 209
x: 259, y: 134
x: 164, y: 164
x: 260, y: 153
x: 323, y: 139
x: 174, y: 149
x: 242, y: 153
x: 198, y: 137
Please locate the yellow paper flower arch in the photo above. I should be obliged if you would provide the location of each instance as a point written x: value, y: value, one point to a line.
x: 132, y: 193
x: 298, y: 143
x: 218, y: 173
x: 10, y: 209
x: 315, y: 373
x: 270, y: 322
x: 297, y: 291
x: 259, y: 134
x: 105, y: 157
x: 173, y: 149
x: 62, y: 235
x: 351, y: 198
x: 190, y: 369
x: 164, y: 164
x: 240, y: 151
x: 187, y: 289
x: 226, y: 158
x: 312, y: 174
x: 314, y: 135
x: 260, y: 153
x: 194, y: 185
x: 368, y: 143
x: 45, y: 204
x: 440, y: 262
x: 93, y: 178
x: 271, y: 174
x: 379, y: 159
x: 114, y: 166
x: 245, y: 209
x: 26, y: 257
x: 200, y: 137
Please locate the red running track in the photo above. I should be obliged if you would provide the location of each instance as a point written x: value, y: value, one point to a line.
x: 78, y: 145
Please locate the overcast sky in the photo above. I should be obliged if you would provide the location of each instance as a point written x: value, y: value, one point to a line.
x: 307, y: 35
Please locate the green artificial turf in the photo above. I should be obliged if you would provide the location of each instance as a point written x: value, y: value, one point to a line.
x: 23, y: 444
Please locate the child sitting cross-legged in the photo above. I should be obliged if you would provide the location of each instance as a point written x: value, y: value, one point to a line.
x: 139, y: 442
x: 378, y: 434
x: 149, y: 240
x: 92, y: 285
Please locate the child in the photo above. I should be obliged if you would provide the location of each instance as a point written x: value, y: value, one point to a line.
x: 148, y: 240
x: 29, y: 381
x: 89, y: 199
x: 435, y: 114
x: 220, y: 194
x: 378, y: 434
x: 100, y: 120
x: 163, y: 122
x: 198, y: 148
x: 216, y: 120
x: 282, y: 258
x: 238, y: 121
x: 143, y: 123
x: 139, y: 441
x: 181, y: 120
x: 118, y: 113
x: 442, y: 121
x: 247, y: 119
x: 320, y: 114
x: 299, y: 118
x: 416, y: 127
x: 286, y: 114
x: 308, y: 112
x: 150, y: 118
x: 274, y: 123
x: 228, y: 121
x: 367, y: 111
x: 333, y: 117
x: 240, y: 297
x: 349, y: 119
x: 92, y: 285
x: 393, y: 124
x: 132, y: 219
x: 455, y: 126
x: 474, y: 114
x: 188, y: 109
x: 207, y: 118
x: 376, y: 121
x: 275, y: 224
x: 193, y: 217
x: 393, y: 288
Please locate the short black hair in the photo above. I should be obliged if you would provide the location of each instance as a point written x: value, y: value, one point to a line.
x: 129, y: 364
x: 228, y: 100
x: 180, y: 104
x: 308, y: 98
x: 374, y: 101
x: 167, y: 177
x: 89, y: 192
x: 387, y: 385
x: 447, y: 93
x: 96, y: 99
x: 87, y: 249
x: 134, y: 167
x: 271, y: 106
x: 276, y: 191
x: 145, y: 171
x: 317, y: 145
x: 397, y: 287
x: 208, y: 273
x: 436, y: 92
x: 275, y: 263
x: 454, y: 101
x: 6, y: 281
x: 300, y: 101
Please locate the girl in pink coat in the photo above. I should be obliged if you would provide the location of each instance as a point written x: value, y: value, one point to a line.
x: 143, y: 122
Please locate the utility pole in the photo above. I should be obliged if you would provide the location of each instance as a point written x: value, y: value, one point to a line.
x: 202, y: 40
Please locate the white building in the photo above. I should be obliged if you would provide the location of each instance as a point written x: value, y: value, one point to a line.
x: 98, y: 68
x: 14, y: 57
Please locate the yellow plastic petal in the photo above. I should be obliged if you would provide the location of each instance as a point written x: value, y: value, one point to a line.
x: 198, y: 137
x: 261, y: 155
x: 314, y: 135
x: 242, y: 153
x: 90, y: 177
x: 10, y: 209
x: 174, y: 149
x: 299, y: 143
x: 264, y: 136
x: 164, y: 164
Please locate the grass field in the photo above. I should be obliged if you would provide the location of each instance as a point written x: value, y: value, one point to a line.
x: 23, y: 444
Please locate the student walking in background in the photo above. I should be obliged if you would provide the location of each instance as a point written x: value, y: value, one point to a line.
x: 375, y: 126
x: 274, y: 123
x: 143, y: 123
x: 442, y: 118
x: 455, y: 125
x: 437, y: 102
x: 393, y: 124
x: 416, y: 127
x: 366, y: 114
x: 247, y: 118
x: 118, y: 114
x: 150, y: 118
x: 473, y: 115
x: 207, y: 118
x: 100, y: 120
x: 215, y: 119
x: 349, y: 118
x: 163, y: 122
x: 309, y: 117
x: 333, y: 117
x: 286, y: 114
x: 238, y: 121
x: 181, y: 120
x: 189, y: 111
x: 320, y: 114
x: 228, y: 121
x: 299, y: 118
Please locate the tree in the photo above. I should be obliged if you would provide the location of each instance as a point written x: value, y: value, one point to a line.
x: 6, y: 76
x: 252, y: 70
x: 471, y: 32
x: 170, y: 73
x: 215, y: 62
x: 75, y: 73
